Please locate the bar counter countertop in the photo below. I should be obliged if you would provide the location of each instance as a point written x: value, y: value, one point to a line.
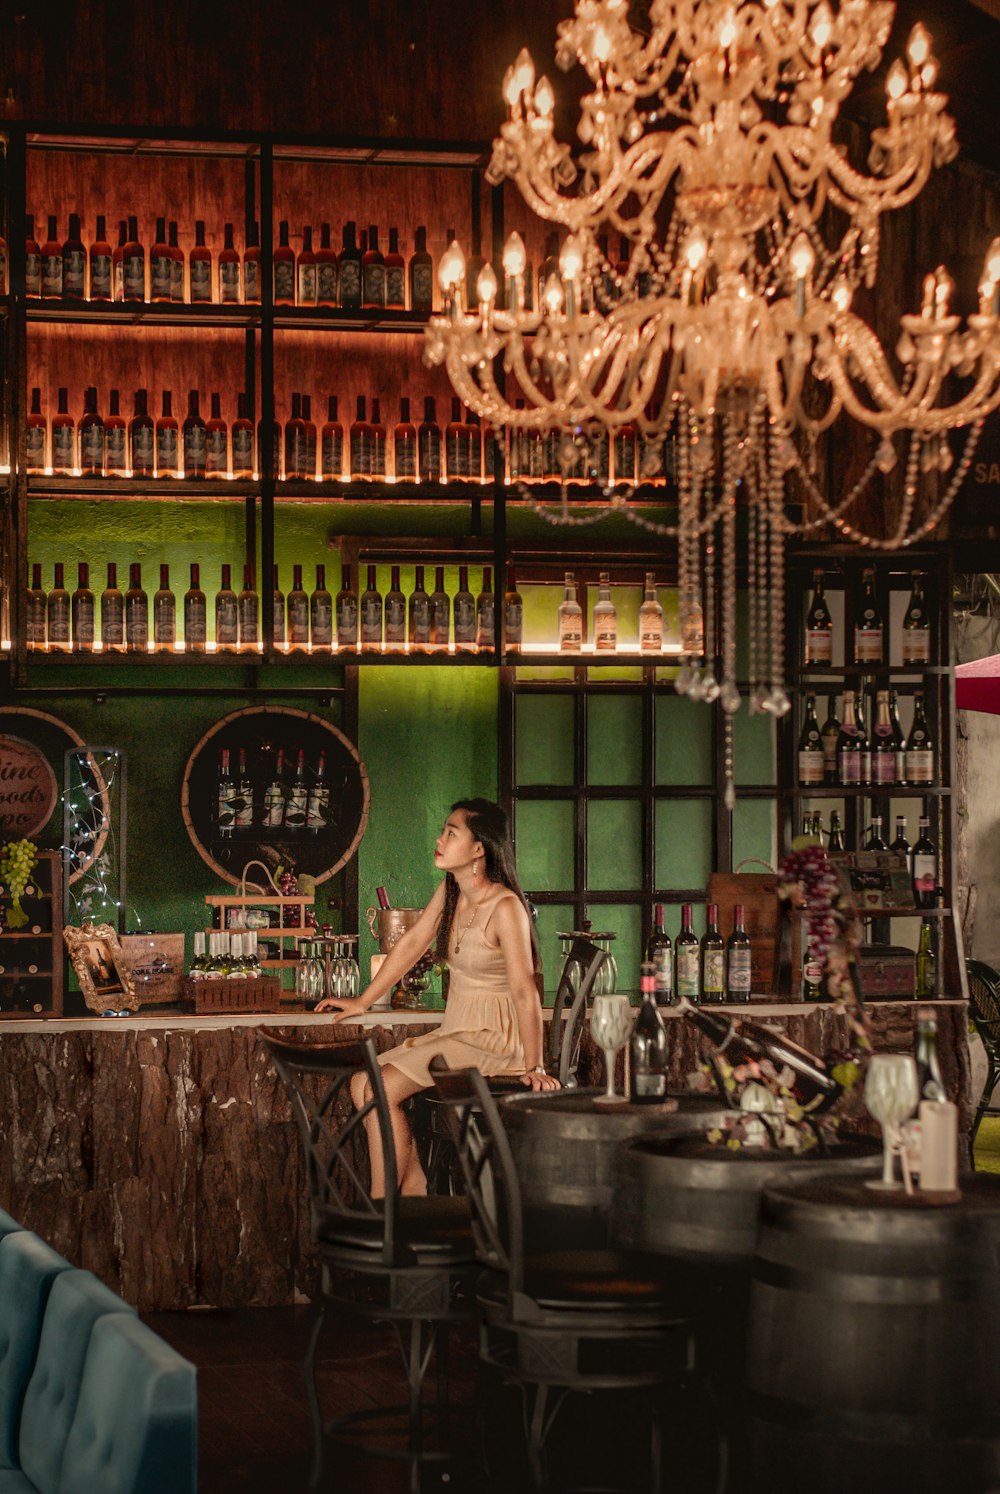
x: 159, y: 1151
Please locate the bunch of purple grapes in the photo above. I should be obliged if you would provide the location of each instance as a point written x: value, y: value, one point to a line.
x: 288, y: 887
x: 418, y: 971
x: 811, y: 868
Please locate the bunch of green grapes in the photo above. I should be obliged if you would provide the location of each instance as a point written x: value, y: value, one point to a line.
x: 17, y: 861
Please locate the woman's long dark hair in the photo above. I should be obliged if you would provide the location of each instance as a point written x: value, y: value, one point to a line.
x: 489, y: 825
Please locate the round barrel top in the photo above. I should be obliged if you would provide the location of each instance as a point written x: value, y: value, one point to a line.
x: 980, y: 1196
x: 698, y: 1149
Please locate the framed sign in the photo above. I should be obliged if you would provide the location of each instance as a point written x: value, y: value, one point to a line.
x: 28, y: 789
x: 97, y: 959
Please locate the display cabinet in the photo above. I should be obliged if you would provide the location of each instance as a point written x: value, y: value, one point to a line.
x: 31, y: 955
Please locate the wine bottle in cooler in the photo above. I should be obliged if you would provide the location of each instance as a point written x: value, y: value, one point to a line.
x: 382, y: 898
x: 318, y: 803
x: 274, y: 795
x: 648, y: 1050
x: 869, y: 630
x: 394, y: 615
x: 298, y: 612
x: 195, y: 614
x: 321, y: 613
x: 347, y: 612
x: 227, y: 621
x: 248, y: 613
x: 112, y: 614
x: 713, y: 960
x: 686, y: 959
x: 660, y: 955
x: 923, y: 866
x: 738, y: 960
x: 811, y: 758
x: 919, y: 747
x: 82, y: 611
x: 819, y: 626
x: 115, y: 438
x: 917, y: 625
x: 243, y: 803
x: 740, y: 1041
x: 297, y: 805
x: 225, y: 810
x: 164, y: 615
x: 136, y: 613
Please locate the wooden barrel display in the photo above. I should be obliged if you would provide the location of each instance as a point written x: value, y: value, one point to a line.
x: 872, y: 1355
x: 301, y: 797
x: 568, y: 1149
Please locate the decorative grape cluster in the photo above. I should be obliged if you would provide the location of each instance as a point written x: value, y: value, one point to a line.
x: 810, y: 869
x: 17, y: 861
x: 288, y: 886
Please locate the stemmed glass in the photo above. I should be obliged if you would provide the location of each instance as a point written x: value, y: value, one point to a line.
x: 891, y: 1094
x: 610, y: 1025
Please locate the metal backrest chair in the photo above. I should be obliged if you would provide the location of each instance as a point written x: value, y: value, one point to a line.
x: 576, y: 982
x: 405, y: 1261
x: 984, y: 1009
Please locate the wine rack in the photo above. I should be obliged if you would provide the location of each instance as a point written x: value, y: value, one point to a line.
x: 32, y: 960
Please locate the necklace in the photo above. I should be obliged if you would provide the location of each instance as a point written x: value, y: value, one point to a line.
x: 463, y: 930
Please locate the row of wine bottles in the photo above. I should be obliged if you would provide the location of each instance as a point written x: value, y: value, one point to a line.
x: 298, y: 804
x: 96, y: 445
x: 843, y: 752
x: 921, y: 858
x: 709, y: 970
x: 867, y: 630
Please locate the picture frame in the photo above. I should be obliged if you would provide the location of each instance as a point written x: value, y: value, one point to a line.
x: 100, y: 967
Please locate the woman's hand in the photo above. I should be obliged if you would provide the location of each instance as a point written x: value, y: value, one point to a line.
x: 536, y: 1081
x: 344, y: 1007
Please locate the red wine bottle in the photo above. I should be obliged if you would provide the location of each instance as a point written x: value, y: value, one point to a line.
x: 740, y: 1041
x: 660, y: 955
x: 383, y: 897
x: 648, y: 1046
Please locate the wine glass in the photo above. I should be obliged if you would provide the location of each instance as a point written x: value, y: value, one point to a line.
x: 891, y: 1094
x: 610, y: 1025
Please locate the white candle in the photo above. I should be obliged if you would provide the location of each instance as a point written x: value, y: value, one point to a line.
x: 938, y: 1146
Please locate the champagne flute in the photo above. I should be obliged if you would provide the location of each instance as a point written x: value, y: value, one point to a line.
x: 891, y: 1094
x: 610, y: 1025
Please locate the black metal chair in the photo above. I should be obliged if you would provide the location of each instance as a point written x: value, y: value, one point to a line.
x: 984, y: 1009
x: 576, y: 982
x: 406, y: 1261
x: 560, y: 1323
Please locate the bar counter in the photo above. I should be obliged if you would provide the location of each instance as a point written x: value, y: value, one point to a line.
x: 159, y: 1152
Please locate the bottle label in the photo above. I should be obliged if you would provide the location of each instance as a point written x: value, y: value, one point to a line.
x: 465, y: 619
x: 226, y: 620
x: 164, y: 621
x: 326, y: 282
x: 849, y: 765
x: 663, y: 971
x: 420, y: 619
x: 176, y: 278
x: 73, y: 272
x: 33, y: 276
x: 226, y: 812
x: 395, y: 286
x: 216, y: 451
x: 321, y: 620
x: 884, y: 764
x: 195, y: 448
x: 194, y: 623
x: 318, y: 807
x: 739, y: 970
x: 58, y: 619
x: 295, y: 813
x: 570, y: 635
x: 142, y: 447
x: 278, y: 619
x: 395, y: 619
x: 440, y: 621
x: 100, y: 277
x: 811, y: 767
x: 242, y: 449
x: 307, y: 285
x: 249, y: 619
x: 251, y: 279
x: 35, y: 445
x: 868, y: 645
x: 333, y: 455
x: 513, y: 622
x: 200, y: 276
x: 347, y: 621
x: 134, y: 277
x: 457, y: 458
x: 274, y: 807
x: 83, y: 622
x: 166, y: 449
x: 361, y: 453
x: 62, y: 446
x: 916, y: 645
x: 687, y: 971
x: 229, y: 280
x: 713, y: 974
x: 650, y: 635
x: 924, y: 879
x: 919, y: 765
x: 350, y: 283
x: 485, y: 624
x: 112, y: 621
x: 159, y: 277
x: 371, y: 620
x: 405, y: 454
x: 284, y: 280
x: 819, y: 645
x: 423, y: 285
x: 36, y: 618
x: 296, y: 452
x: 649, y: 1086
x: 298, y: 618
x: 136, y: 622
x: 243, y: 806
x: 374, y: 284
x: 429, y: 445
x: 605, y: 635
x: 52, y: 275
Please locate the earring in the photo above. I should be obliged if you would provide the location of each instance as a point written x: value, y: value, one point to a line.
x: 476, y: 868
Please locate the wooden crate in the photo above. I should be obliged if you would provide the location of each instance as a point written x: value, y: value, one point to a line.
x: 260, y: 994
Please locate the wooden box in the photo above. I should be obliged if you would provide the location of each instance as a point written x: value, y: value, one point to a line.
x: 887, y: 970
x: 758, y: 892
x: 260, y: 994
x: 156, y: 964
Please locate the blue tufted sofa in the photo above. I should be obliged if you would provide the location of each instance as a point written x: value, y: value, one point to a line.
x: 91, y: 1400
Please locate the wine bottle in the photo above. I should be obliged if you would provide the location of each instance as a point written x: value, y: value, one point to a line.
x: 740, y: 1041
x: 811, y: 756
x: 164, y: 615
x: 57, y: 612
x: 295, y: 442
x: 923, y: 866
x: 925, y: 985
x: 851, y: 745
x: 929, y: 1081
x: 332, y: 444
x: 919, y: 747
x: 836, y: 841
x: 378, y: 441
x: 248, y: 614
x: 361, y: 444
x: 310, y: 430
x: 195, y: 614
x: 648, y: 1052
x: 876, y: 840
x: 570, y: 619
x: 32, y: 259
x: 133, y: 264
x: 90, y: 432
x: 404, y: 445
x: 513, y: 614
x: 136, y: 613
x: 225, y: 813
x: 244, y: 795
x: 298, y: 612
x: 112, y: 614
x: 418, y: 625
x: 35, y: 609
x: 917, y: 625
x: 100, y: 263
x: 869, y: 632
x: 464, y: 614
x: 812, y: 977
x: 713, y: 950
x: 52, y: 264
x: 455, y: 449
x: 659, y: 953
x: 229, y: 268
x: 318, y: 803
x: 194, y: 439
x: 166, y: 437
x: 326, y: 269
x: 819, y: 626
x: 321, y: 613
x: 901, y: 845
x: 485, y: 616
x: 738, y: 960
x: 297, y: 804
x: 176, y: 264
x: 650, y: 619
x: 216, y: 442
x: 605, y: 617
x: 242, y: 440
x: 35, y: 436
x: 370, y: 614
x: 373, y: 273
x: 115, y: 438
x: 429, y: 444
x: 440, y: 612
x: 200, y: 266
x: 160, y: 264
x: 382, y: 897
x: 251, y: 266
x: 899, y: 740
x: 277, y: 611
x: 63, y: 436
x: 347, y: 612
x: 421, y: 274
x: 305, y: 271
x: 349, y: 269
x: 394, y: 616
x: 118, y: 261
x: 474, y: 446
x: 82, y: 611
x: 74, y: 261
x: 227, y: 627
x: 283, y: 261
x: 624, y: 453
x: 395, y: 274
x: 883, y: 742
x: 274, y: 796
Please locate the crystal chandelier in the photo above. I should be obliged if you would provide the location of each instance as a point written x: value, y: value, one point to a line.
x: 729, y: 331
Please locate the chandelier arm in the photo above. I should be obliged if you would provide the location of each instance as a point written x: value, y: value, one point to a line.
x: 940, y: 509
x: 880, y: 194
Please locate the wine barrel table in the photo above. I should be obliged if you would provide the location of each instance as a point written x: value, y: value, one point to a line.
x: 873, y: 1340
x: 567, y: 1148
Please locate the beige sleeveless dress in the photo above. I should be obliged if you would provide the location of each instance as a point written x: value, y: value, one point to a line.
x: 479, y: 1029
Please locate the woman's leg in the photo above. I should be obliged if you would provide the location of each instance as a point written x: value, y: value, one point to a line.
x: 398, y: 1088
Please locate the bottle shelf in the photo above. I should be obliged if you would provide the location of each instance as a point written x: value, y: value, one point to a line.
x: 349, y: 319
x: 829, y: 673
x: 157, y: 489
x: 144, y: 313
x: 323, y: 490
x: 871, y: 790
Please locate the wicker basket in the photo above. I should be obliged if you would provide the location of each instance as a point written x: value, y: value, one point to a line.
x: 261, y: 994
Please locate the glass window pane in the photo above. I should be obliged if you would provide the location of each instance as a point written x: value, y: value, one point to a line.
x: 683, y: 740
x: 626, y: 924
x: 544, y: 736
x: 614, y: 739
x: 683, y: 842
x: 553, y: 919
x: 544, y: 838
x: 614, y: 845
x: 754, y: 747
x: 755, y: 833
